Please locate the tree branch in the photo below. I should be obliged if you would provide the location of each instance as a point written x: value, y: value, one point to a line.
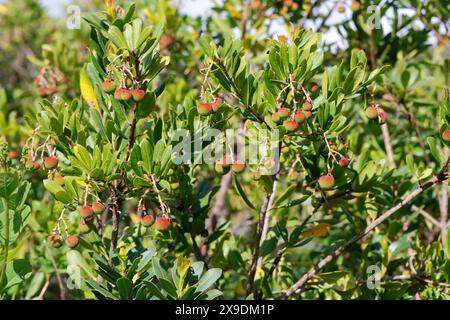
x: 442, y: 176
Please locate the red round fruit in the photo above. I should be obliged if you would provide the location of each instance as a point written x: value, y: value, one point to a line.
x: 32, y: 165
x: 14, y: 153
x: 98, y: 207
x: 284, y: 113
x: 372, y: 112
x: 446, y: 135
x: 147, y: 220
x: 326, y: 182
x: 138, y: 94
x: 204, y: 109
x: 86, y: 212
x: 238, y: 166
x: 290, y: 125
x: 343, y: 162
x: 162, y: 223
x: 72, y: 241
x: 308, y: 114
x: 51, y: 162
x: 307, y: 106
x: 276, y: 117
x: 108, y: 86
x: 122, y: 94
x: 299, y: 117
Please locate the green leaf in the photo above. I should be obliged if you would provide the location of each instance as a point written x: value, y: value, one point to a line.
x: 8, y: 183
x: 125, y: 287
x: 17, y: 271
x: 242, y: 193
x: 208, y: 279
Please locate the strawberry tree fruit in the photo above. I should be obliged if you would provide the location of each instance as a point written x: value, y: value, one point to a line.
x: 109, y: 85
x: 238, y: 166
x: 326, y: 182
x: 299, y: 117
x: 162, y: 223
x: 290, y: 125
x: 72, y: 241
x: 85, y: 226
x: 55, y: 240
x: 372, y: 112
x: 204, y: 109
x: 307, y: 106
x: 147, y: 220
x: 138, y: 94
x: 86, y: 212
x: 50, y: 162
x: 343, y: 162
x: 446, y: 135
x: 98, y: 207
x: 284, y: 113
x: 122, y: 94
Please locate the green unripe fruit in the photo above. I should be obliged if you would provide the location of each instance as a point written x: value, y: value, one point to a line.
x: 59, y: 179
x: 162, y: 223
x: 98, y: 207
x: 108, y: 86
x: 147, y: 220
x: 128, y: 82
x: 72, y: 241
x: 84, y: 226
x: 276, y: 117
x: 372, y: 112
x: 238, y: 166
x: 299, y: 117
x: 326, y: 182
x: 86, y: 212
x: 284, y: 113
x: 138, y: 94
x: 307, y: 106
x: 290, y: 125
x: 308, y: 114
x: 122, y: 94
x: 51, y: 162
x: 204, y: 109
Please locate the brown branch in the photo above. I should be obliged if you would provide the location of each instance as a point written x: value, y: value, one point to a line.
x: 442, y: 176
x: 115, y: 224
x: 426, y: 215
x: 218, y: 209
x: 62, y: 288
x: 259, y: 230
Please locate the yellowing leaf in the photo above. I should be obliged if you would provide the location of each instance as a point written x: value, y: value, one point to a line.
x: 317, y: 231
x: 87, y: 91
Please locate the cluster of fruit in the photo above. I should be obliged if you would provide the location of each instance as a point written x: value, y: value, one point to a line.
x: 226, y: 163
x: 56, y: 240
x: 162, y: 223
x: 293, y: 119
x: 123, y: 93
x: 48, y: 80
x: 50, y: 162
x: 206, y: 108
